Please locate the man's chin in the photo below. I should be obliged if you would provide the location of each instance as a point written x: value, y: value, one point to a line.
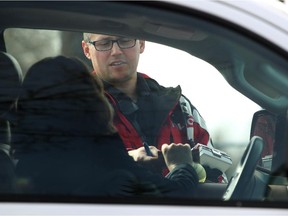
x: 118, y: 79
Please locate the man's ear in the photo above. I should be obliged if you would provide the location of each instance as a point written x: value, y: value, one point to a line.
x: 85, y: 48
x: 142, y: 45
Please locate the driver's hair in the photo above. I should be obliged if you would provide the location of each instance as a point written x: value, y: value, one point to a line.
x: 65, y: 87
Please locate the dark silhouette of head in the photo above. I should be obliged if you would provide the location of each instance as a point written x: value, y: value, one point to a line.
x: 61, y: 99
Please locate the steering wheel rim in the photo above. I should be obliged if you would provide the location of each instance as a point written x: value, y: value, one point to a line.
x: 244, y: 170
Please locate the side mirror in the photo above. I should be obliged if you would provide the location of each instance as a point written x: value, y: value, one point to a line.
x: 264, y: 125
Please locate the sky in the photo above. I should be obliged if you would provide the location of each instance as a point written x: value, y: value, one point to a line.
x: 228, y: 114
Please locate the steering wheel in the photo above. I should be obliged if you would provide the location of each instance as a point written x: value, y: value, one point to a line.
x: 244, y: 170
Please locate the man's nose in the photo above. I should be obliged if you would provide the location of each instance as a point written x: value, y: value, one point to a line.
x: 115, y: 48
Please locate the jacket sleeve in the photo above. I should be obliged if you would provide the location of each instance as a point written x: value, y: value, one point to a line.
x: 182, y: 182
x: 185, y: 178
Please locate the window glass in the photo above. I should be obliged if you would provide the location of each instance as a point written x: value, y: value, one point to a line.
x: 215, y: 99
x: 227, y: 113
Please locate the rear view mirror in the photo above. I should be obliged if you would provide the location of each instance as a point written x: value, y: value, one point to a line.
x: 264, y: 125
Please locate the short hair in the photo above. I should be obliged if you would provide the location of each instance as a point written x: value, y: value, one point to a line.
x: 86, y: 36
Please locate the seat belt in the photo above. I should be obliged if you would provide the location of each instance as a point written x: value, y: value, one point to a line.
x: 129, y: 108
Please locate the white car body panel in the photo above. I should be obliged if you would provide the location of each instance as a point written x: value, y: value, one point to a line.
x: 267, y: 18
x: 126, y: 210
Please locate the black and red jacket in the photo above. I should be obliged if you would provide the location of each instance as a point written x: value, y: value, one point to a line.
x: 168, y: 117
x: 165, y: 113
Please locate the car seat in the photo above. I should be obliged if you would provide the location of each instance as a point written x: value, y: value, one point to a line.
x: 10, y: 83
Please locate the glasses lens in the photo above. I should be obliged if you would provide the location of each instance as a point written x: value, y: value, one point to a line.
x: 103, y: 45
x: 126, y: 43
x: 123, y: 43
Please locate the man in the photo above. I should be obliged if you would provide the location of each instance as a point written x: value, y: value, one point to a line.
x: 147, y: 114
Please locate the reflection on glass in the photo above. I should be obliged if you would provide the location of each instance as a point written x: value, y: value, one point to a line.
x: 264, y: 126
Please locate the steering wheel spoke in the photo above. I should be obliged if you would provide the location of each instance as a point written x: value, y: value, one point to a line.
x: 244, y: 170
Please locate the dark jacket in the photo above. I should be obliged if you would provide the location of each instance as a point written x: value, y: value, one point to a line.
x: 84, y: 168
x: 157, y: 115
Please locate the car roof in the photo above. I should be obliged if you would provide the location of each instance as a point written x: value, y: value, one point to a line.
x: 199, y: 31
x: 265, y: 16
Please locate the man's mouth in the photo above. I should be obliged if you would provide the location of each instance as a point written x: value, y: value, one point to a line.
x: 117, y: 63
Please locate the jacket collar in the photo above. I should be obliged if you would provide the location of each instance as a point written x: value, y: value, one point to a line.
x: 145, y: 85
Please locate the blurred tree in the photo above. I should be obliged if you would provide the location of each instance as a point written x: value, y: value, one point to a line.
x: 71, y: 46
x: 30, y: 45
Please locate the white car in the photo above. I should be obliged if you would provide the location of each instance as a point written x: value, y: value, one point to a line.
x: 230, y: 59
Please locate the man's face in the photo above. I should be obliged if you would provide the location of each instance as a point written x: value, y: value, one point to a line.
x: 116, y: 65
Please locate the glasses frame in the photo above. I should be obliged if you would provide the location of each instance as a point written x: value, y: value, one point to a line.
x: 113, y: 41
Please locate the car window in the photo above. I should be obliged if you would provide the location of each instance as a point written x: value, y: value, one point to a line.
x: 218, y: 103
x: 173, y: 67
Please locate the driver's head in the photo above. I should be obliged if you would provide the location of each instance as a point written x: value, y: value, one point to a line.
x: 61, y: 98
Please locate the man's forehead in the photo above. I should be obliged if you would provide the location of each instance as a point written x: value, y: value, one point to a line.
x: 101, y: 37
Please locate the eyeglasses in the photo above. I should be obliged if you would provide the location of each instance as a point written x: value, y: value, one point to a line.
x: 105, y: 45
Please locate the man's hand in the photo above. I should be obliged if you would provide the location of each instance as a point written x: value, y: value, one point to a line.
x: 140, y: 154
x: 176, y: 154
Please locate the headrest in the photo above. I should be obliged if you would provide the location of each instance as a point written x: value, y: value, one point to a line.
x: 10, y: 81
